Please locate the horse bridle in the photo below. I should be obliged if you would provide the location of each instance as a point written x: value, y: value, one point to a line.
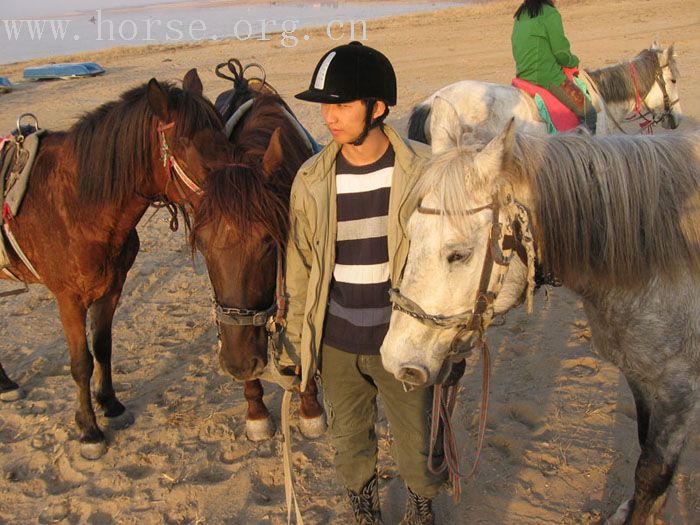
x: 641, y: 104
x: 228, y: 315
x: 504, y: 243
x: 271, y: 318
x: 502, y: 238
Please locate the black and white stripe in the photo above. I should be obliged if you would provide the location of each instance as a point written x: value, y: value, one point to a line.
x: 359, y: 308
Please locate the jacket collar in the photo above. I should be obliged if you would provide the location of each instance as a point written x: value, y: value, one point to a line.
x: 322, y: 164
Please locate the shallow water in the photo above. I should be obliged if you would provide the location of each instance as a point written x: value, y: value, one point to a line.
x: 85, y: 25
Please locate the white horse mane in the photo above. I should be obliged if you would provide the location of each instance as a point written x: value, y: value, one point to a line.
x: 616, y: 209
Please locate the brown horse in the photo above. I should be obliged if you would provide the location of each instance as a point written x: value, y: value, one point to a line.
x: 241, y: 229
x: 89, y: 187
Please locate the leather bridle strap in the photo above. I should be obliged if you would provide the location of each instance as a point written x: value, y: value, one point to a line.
x: 172, y: 166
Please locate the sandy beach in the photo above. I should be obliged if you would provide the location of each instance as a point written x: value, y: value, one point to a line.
x: 561, y: 441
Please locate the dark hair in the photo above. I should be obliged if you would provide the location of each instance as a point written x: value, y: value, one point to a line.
x: 533, y: 8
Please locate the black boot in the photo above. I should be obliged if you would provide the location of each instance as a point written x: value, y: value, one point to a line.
x: 365, y: 503
x: 419, y: 510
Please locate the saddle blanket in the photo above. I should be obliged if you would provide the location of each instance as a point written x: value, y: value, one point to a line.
x: 558, y: 117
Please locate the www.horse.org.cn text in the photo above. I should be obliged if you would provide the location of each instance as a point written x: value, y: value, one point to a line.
x: 146, y: 30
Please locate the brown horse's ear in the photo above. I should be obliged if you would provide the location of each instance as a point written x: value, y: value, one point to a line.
x: 158, y: 100
x: 273, y: 154
x: 192, y: 82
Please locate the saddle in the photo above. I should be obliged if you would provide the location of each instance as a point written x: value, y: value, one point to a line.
x: 558, y: 117
x: 233, y: 104
x: 18, y: 151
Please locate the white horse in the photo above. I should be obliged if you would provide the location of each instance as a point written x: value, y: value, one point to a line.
x: 490, y: 105
x: 616, y: 218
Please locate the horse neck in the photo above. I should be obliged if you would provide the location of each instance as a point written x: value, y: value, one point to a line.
x: 609, y: 81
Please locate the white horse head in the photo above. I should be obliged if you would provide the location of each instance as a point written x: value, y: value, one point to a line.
x: 663, y: 98
x: 447, y: 251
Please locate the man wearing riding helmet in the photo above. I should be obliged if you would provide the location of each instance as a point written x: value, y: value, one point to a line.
x: 349, y: 209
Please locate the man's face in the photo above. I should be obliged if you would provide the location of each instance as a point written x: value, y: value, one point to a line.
x: 345, y: 121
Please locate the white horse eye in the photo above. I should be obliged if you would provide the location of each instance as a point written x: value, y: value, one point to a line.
x: 459, y: 256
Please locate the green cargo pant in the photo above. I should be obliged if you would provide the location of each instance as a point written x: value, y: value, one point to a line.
x: 350, y: 385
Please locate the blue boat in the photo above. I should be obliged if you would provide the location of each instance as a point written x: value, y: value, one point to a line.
x: 66, y: 70
x: 5, y: 85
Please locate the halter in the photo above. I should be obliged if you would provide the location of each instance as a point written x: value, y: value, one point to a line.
x: 270, y: 318
x: 505, y: 241
x: 647, y: 123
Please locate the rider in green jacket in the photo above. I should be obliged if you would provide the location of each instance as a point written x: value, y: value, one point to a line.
x: 541, y: 50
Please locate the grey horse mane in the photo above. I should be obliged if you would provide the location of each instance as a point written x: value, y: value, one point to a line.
x: 615, y: 83
x: 617, y: 210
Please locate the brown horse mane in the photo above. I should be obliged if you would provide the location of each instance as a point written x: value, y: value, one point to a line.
x: 241, y: 194
x: 116, y: 144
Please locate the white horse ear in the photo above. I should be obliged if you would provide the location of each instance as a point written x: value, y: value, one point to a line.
x: 497, y: 153
x: 445, y: 126
x: 655, y: 46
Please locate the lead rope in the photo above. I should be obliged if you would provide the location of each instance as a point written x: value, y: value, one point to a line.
x: 289, y: 492
x: 646, y: 125
x: 444, y: 402
x: 290, y: 495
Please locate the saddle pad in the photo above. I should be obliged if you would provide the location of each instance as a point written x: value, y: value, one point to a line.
x: 561, y: 117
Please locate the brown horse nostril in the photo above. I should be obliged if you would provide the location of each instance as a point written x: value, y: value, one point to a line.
x: 257, y: 365
x: 413, y: 375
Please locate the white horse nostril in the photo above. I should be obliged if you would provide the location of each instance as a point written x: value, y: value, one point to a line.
x: 413, y: 375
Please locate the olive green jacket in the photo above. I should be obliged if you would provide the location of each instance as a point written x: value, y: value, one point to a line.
x: 311, y: 247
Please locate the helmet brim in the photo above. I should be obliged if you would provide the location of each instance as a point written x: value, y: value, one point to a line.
x: 316, y: 95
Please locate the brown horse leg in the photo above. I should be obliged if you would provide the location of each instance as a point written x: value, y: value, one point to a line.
x: 312, y: 420
x: 101, y: 315
x: 9, y: 390
x: 258, y: 423
x: 73, y: 318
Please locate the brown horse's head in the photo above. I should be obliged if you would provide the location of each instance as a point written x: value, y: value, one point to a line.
x: 241, y: 229
x: 135, y: 145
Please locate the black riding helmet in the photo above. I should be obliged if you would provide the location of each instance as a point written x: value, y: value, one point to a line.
x: 353, y: 72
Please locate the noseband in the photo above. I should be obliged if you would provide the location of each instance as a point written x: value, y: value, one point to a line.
x: 270, y: 318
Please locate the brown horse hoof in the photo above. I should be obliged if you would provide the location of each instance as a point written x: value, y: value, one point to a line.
x: 93, y: 451
x: 13, y: 395
x: 125, y: 419
x: 313, y: 427
x: 620, y: 515
x: 260, y: 429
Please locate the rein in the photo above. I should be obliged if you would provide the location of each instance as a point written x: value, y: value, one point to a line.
x: 647, y: 123
x: 502, y: 238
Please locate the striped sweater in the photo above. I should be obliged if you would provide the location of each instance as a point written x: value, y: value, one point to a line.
x: 359, y: 308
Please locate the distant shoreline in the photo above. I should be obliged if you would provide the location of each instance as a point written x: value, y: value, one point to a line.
x: 214, y: 4
x: 84, y: 34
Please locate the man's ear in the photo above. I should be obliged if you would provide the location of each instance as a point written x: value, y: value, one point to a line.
x: 379, y: 109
